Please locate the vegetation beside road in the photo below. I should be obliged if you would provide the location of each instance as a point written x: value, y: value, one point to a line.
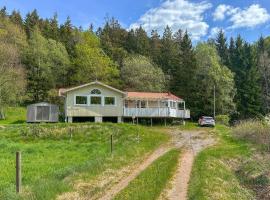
x: 52, y: 157
x: 212, y: 176
x: 237, y: 167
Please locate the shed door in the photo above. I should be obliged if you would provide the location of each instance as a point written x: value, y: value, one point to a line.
x: 43, y: 113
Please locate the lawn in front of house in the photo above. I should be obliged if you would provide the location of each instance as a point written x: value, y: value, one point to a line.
x: 54, y: 154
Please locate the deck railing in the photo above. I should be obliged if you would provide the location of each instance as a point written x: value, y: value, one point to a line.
x: 156, y: 112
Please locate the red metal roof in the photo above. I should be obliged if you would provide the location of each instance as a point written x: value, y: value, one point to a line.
x: 152, y: 95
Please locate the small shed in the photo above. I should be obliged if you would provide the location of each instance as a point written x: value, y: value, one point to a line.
x: 42, y: 112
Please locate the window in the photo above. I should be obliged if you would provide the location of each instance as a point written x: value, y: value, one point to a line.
x: 126, y: 104
x: 81, y: 100
x: 95, y: 100
x: 43, y: 113
x: 138, y: 104
x: 143, y: 104
x: 95, y: 91
x: 109, y: 100
x: 164, y: 104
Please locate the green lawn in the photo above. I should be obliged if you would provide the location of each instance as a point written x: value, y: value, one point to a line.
x: 150, y: 183
x: 14, y: 115
x: 213, y: 176
x: 53, y: 155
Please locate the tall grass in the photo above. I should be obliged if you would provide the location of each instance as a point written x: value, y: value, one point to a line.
x: 53, y: 158
x: 150, y: 183
x: 213, y: 176
x: 253, y: 131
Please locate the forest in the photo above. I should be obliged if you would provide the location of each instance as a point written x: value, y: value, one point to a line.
x: 38, y: 56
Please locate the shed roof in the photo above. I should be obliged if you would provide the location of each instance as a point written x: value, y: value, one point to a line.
x: 153, y: 95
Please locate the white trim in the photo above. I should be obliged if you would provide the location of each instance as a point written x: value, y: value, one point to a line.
x: 78, y: 95
x: 115, y: 103
x: 96, y: 95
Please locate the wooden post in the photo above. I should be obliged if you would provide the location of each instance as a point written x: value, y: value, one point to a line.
x: 165, y: 122
x: 18, y: 172
x: 151, y: 122
x: 111, y: 143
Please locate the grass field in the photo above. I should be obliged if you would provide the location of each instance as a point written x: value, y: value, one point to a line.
x: 150, y: 183
x: 14, y: 115
x: 213, y: 176
x: 54, y: 155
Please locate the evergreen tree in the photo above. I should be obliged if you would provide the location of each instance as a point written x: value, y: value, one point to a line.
x: 130, y: 45
x: 54, y: 29
x: 155, y: 46
x: 167, y: 52
x: 3, y: 12
x: 222, y: 49
x: 184, y: 79
x: 113, y: 40
x: 247, y: 80
x: 67, y: 36
x: 16, y: 18
x: 31, y: 22
x: 142, y: 42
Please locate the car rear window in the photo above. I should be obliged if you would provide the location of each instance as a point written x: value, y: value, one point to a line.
x: 207, y: 117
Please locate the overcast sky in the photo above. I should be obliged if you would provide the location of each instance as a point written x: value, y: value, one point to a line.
x: 202, y: 19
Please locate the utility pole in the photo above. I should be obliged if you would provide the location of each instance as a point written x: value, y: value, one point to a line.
x: 214, y: 101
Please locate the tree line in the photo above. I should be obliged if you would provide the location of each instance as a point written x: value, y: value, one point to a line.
x: 38, y: 56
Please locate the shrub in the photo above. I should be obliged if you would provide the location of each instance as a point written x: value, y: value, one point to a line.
x: 223, y: 119
x: 254, y: 131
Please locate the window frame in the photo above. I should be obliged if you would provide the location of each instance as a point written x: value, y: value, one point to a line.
x: 99, y: 92
x: 87, y: 100
x: 101, y: 100
x: 104, y: 101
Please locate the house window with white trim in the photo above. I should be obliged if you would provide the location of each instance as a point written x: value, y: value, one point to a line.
x: 81, y: 100
x: 109, y: 100
x: 95, y: 100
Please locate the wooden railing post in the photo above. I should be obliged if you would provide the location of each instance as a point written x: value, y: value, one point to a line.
x: 18, y: 172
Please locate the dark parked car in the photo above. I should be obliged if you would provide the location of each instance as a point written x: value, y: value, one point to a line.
x: 206, y: 121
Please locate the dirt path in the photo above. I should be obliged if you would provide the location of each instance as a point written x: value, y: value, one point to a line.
x: 195, y: 142
x: 181, y: 179
x: 124, y: 182
x: 192, y: 141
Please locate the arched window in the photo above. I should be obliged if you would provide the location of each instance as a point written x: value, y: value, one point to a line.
x: 95, y: 91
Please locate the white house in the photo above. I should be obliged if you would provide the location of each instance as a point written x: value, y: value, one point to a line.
x: 98, y: 102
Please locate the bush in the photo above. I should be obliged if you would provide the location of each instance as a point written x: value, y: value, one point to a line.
x: 223, y: 119
x: 254, y: 131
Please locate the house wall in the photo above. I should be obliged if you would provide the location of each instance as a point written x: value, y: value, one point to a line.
x: 94, y: 110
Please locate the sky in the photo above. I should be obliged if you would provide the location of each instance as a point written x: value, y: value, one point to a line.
x: 201, y: 18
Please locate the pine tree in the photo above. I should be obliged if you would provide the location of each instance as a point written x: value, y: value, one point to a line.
x: 67, y: 37
x: 167, y: 52
x: 142, y: 42
x: 130, y: 44
x: 155, y: 46
x: 184, y: 79
x: 31, y: 22
x: 247, y: 79
x: 3, y: 12
x: 222, y: 49
x: 16, y: 18
x: 54, y: 29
